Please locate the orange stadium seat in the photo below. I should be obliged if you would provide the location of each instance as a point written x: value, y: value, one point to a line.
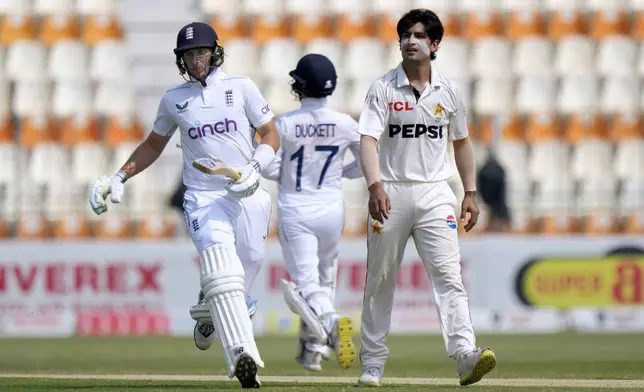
x: 155, y: 227
x: 482, y: 24
x: 623, y: 127
x: 97, y: 28
x: 306, y: 28
x: 635, y: 223
x: 525, y: 24
x: 605, y: 24
x: 6, y: 129
x: 229, y: 27
x: 540, y: 127
x: 37, y: 129
x: 350, y: 27
x: 511, y: 130
x: 81, y: 128
x: 269, y: 27
x: 386, y: 28
x: 119, y: 130
x: 15, y: 28
x: 579, y: 127
x: 59, y: 27
x: 565, y: 23
x: 33, y: 226
x: 637, y: 30
x: 71, y: 226
x: 112, y: 226
x: 5, y: 230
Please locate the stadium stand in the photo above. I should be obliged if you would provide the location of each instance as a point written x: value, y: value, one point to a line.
x: 553, y: 87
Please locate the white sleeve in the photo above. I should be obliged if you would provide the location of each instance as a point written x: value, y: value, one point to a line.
x: 274, y: 170
x: 458, y: 120
x: 164, y: 124
x: 373, y: 117
x: 354, y: 169
x: 255, y: 105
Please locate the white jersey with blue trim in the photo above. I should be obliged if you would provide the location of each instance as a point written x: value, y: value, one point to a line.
x: 313, y: 142
x: 217, y: 121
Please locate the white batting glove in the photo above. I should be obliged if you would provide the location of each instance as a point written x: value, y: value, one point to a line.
x: 247, y: 184
x: 104, y: 186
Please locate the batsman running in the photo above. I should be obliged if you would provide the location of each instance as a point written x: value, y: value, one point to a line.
x: 217, y: 115
x: 409, y: 116
x: 309, y: 169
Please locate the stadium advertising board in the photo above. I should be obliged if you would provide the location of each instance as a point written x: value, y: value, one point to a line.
x: 567, y: 282
x: 515, y: 284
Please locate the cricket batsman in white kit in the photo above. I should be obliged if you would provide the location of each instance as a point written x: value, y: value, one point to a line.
x: 309, y: 169
x: 409, y: 116
x: 217, y: 115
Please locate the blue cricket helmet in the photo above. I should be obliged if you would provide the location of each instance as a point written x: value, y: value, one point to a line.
x: 198, y: 35
x: 314, y: 76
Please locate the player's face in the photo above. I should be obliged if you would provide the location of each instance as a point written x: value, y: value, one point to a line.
x: 198, y: 61
x: 415, y: 45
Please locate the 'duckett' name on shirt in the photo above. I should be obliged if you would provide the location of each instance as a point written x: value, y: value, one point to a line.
x: 414, y: 133
x: 217, y: 121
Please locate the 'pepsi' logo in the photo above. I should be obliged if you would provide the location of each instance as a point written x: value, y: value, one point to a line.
x: 451, y: 221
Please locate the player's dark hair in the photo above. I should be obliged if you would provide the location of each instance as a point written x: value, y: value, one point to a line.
x: 433, y: 26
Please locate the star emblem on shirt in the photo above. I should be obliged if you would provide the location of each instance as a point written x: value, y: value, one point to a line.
x: 439, y: 110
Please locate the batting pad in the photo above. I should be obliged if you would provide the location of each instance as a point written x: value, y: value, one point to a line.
x: 298, y: 305
x: 222, y: 282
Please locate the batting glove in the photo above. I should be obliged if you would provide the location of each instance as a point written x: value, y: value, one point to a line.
x: 247, y: 183
x: 104, y: 186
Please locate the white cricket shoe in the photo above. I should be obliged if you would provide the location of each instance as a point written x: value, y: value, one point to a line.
x: 204, y: 333
x: 476, y: 364
x: 370, y: 377
x: 310, y: 360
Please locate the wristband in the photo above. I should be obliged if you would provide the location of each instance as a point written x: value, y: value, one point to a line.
x: 122, y: 175
x: 264, y: 155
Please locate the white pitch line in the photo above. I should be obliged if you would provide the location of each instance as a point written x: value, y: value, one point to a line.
x: 492, y: 382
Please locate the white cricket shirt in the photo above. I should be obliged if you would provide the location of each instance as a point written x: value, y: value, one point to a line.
x: 313, y: 142
x: 217, y: 121
x: 413, y: 133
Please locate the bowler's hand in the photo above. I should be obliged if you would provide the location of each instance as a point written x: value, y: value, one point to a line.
x: 469, y: 206
x: 379, y: 202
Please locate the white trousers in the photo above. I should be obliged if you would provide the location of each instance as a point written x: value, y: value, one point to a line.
x: 310, y: 248
x: 213, y: 218
x: 252, y: 229
x: 426, y: 212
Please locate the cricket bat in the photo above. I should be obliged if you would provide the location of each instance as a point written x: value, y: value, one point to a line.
x: 214, y: 167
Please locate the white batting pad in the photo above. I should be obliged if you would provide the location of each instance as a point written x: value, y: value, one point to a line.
x: 298, y: 305
x: 222, y: 282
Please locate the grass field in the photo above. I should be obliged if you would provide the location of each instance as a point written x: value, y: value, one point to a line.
x: 564, y: 362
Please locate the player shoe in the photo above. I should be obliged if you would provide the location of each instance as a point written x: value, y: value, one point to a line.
x: 476, y: 364
x: 310, y: 360
x: 246, y: 372
x: 370, y: 377
x: 340, y: 340
x: 204, y: 333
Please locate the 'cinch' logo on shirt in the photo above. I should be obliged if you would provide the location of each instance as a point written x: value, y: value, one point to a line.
x: 219, y: 127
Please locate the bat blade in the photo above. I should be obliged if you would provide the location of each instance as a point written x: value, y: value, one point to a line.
x: 214, y: 167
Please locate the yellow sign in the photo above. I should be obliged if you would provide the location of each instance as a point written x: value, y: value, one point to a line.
x: 565, y: 282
